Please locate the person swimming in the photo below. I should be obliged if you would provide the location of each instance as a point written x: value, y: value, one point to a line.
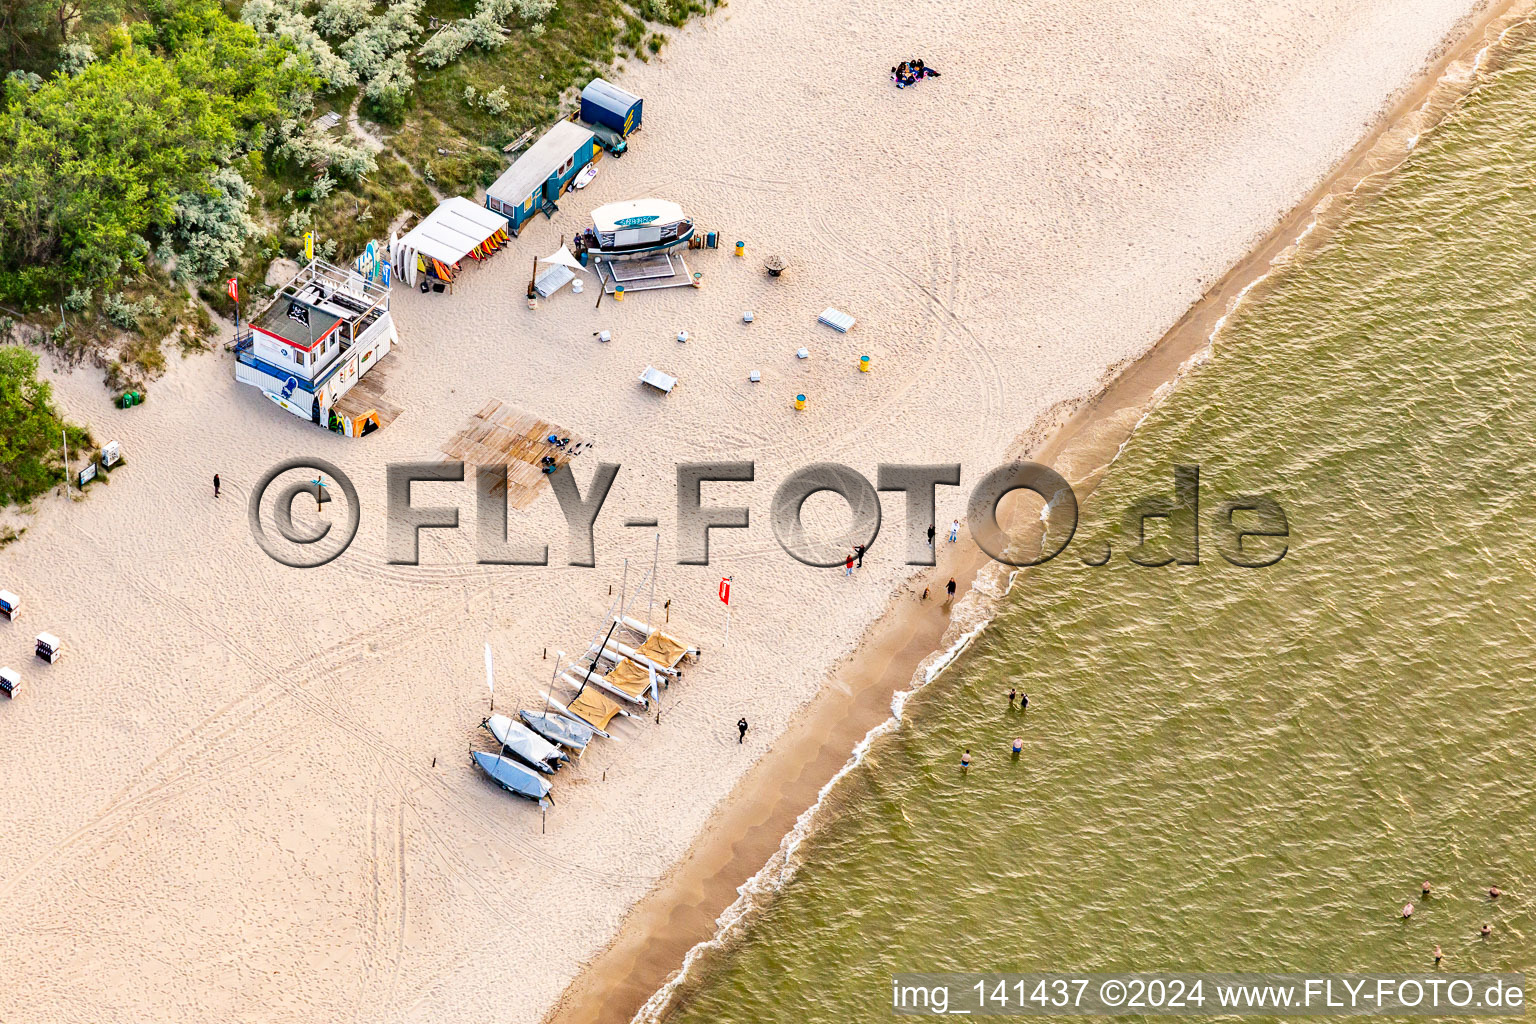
x: 1425, y: 889
x: 1493, y: 892
x: 1487, y: 930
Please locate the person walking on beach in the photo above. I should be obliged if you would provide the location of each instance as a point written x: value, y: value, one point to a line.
x: 848, y: 566
x: 859, y: 553
x: 931, y: 532
x: 949, y: 588
x: 215, y: 485
x: 954, y: 531
x: 741, y: 727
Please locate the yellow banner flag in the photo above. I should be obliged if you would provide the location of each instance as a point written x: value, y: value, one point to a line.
x: 309, y: 245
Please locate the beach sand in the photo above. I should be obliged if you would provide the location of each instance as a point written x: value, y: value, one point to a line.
x: 222, y: 803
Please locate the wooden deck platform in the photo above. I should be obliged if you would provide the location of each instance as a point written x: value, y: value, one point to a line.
x: 664, y: 270
x: 368, y: 394
x: 500, y: 434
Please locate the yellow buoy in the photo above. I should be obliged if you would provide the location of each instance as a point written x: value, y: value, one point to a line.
x: 799, y: 401
x: 618, y: 294
x: 741, y: 248
x: 863, y: 364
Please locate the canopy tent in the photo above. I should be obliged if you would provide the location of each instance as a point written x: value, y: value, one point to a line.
x: 560, y: 268
x: 562, y: 257
x: 635, y: 213
x: 457, y: 228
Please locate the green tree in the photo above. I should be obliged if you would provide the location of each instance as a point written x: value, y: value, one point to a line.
x: 30, y: 429
x: 96, y: 162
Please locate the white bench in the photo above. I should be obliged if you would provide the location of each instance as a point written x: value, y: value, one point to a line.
x: 662, y: 382
x: 837, y: 320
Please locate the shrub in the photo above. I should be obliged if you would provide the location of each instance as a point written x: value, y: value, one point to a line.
x: 212, y: 226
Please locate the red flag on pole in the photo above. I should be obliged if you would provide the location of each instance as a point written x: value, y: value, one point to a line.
x: 725, y: 590
x: 234, y: 291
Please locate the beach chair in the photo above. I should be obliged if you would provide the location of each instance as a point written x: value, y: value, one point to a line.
x: 10, y: 604
x: 660, y: 381
x: 49, y: 647
x: 10, y: 681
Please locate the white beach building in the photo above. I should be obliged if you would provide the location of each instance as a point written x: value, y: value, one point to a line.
x: 310, y: 347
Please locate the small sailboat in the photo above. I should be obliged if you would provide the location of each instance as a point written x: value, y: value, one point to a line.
x: 513, y: 777
x: 558, y: 729
x: 525, y: 744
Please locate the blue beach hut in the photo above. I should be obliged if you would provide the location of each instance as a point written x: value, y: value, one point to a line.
x: 538, y: 178
x: 604, y: 103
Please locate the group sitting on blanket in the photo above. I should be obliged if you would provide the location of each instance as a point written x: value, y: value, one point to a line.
x: 910, y: 72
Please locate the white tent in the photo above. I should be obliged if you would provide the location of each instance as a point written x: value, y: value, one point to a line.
x: 562, y: 257
x: 448, y: 234
x: 560, y: 270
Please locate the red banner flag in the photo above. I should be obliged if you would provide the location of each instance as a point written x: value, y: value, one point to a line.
x: 725, y: 590
x: 234, y: 291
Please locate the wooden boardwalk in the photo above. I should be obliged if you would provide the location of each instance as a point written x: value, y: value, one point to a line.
x: 368, y: 394
x: 503, y: 435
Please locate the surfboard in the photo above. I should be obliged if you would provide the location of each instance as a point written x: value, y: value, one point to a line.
x: 585, y: 177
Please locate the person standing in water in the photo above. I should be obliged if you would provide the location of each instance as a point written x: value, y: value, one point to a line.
x: 1012, y: 695
x: 1438, y: 956
x: 965, y: 760
x: 215, y: 485
x: 741, y: 727
x: 1018, y: 746
x: 1023, y: 701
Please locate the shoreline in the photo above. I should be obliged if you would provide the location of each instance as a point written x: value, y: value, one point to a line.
x: 636, y: 975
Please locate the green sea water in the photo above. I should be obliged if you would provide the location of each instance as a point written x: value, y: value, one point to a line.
x: 1232, y: 769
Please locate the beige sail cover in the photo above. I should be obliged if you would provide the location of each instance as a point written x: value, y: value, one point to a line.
x: 593, y: 708
x: 662, y: 649
x: 629, y: 677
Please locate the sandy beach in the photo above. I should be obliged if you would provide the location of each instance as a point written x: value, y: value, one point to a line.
x: 243, y: 794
